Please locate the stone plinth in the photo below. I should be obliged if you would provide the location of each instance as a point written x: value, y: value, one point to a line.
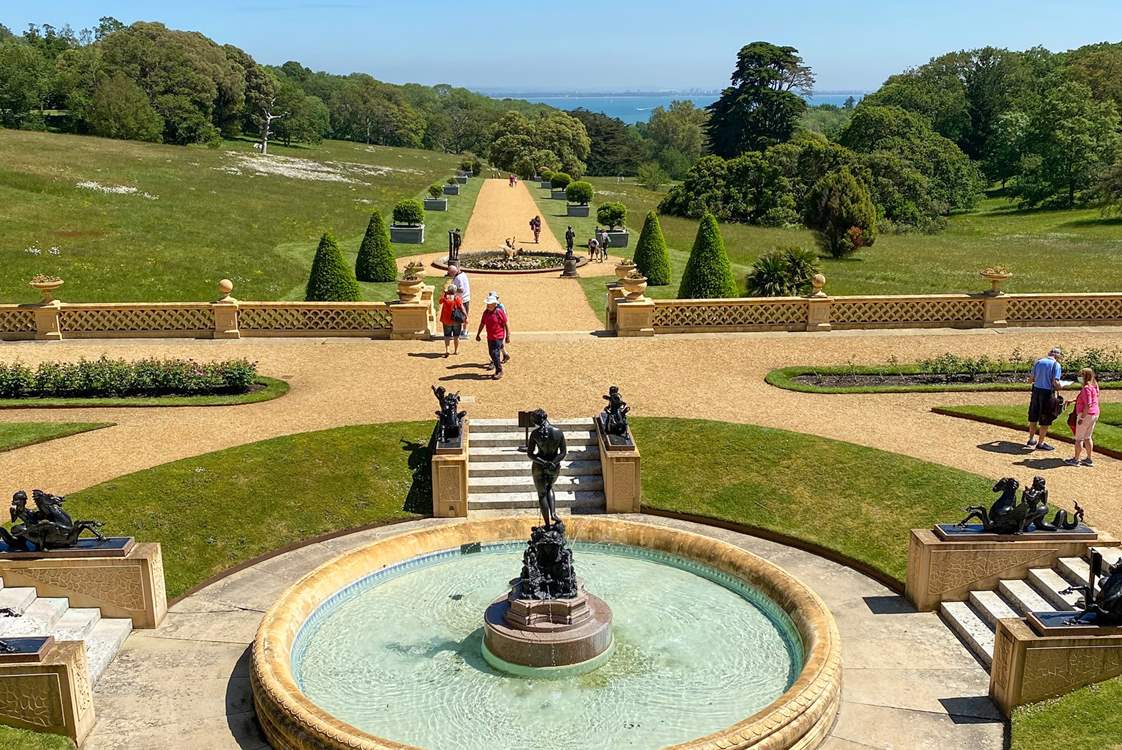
x: 947, y: 570
x: 130, y: 585
x: 620, y: 467
x: 615, y: 294
x: 450, y: 477
x: 1030, y: 667
x: 411, y: 320
x: 547, y: 633
x: 48, y: 691
x: 634, y: 318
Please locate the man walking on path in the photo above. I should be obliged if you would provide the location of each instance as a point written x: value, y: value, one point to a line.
x: 460, y: 281
x: 605, y: 242
x: 536, y: 227
x: 570, y: 238
x: 498, y: 333
x: 1045, y: 383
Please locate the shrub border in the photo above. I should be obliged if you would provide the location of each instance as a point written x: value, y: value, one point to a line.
x: 274, y: 388
x: 784, y: 377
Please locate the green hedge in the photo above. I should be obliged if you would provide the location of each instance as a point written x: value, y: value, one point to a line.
x: 118, y: 377
x: 559, y: 180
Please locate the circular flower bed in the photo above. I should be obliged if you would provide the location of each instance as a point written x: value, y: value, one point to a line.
x: 496, y: 261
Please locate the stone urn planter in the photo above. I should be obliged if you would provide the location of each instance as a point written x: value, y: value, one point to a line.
x: 558, y: 194
x: 996, y: 277
x: 46, y: 286
x: 436, y: 204
x: 624, y: 268
x: 407, y: 235
x: 577, y: 209
x: 452, y: 189
x: 411, y: 285
x: 634, y: 284
x: 618, y: 238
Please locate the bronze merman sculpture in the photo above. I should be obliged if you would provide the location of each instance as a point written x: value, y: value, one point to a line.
x: 1007, y: 516
x: 546, y: 448
x: 451, y: 420
x: 615, y: 413
x: 45, y: 528
x: 1103, y: 604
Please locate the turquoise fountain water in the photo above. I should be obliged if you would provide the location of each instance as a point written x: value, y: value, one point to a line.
x: 397, y: 654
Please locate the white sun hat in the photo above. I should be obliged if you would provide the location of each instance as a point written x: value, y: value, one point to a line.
x: 492, y: 299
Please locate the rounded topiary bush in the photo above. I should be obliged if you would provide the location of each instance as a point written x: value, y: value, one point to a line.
x: 375, y: 256
x: 331, y: 279
x: 547, y: 176
x: 708, y: 273
x: 651, y: 255
x: 409, y: 213
x: 465, y: 164
x: 436, y: 190
x: 559, y: 180
x: 612, y: 215
x: 579, y: 192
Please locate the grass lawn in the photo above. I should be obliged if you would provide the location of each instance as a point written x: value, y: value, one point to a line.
x: 273, y: 388
x: 855, y: 500
x: 211, y: 215
x: 1086, y: 719
x: 213, y: 511
x: 21, y: 739
x: 1048, y: 251
x: 1108, y: 431
x: 19, y: 434
x: 784, y: 377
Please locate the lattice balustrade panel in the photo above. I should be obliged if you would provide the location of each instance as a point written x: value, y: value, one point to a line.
x: 135, y: 319
x: 781, y: 315
x: 907, y: 311
x: 1045, y: 309
x: 313, y: 318
x: 17, y: 321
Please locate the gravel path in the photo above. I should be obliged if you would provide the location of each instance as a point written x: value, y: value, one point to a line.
x: 715, y: 376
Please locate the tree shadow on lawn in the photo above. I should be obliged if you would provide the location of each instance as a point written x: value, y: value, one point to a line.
x: 419, y: 498
x: 1105, y: 221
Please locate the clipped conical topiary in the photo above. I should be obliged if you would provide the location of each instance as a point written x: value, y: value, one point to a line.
x: 651, y: 255
x: 331, y: 279
x: 375, y: 260
x: 708, y: 272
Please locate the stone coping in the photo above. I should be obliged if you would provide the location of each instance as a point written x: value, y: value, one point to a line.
x: 800, y: 718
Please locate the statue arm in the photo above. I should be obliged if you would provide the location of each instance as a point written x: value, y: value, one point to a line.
x: 562, y: 451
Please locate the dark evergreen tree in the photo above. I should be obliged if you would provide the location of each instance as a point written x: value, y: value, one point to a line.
x: 651, y: 255
x: 841, y: 210
x: 708, y: 272
x: 375, y: 260
x: 331, y: 279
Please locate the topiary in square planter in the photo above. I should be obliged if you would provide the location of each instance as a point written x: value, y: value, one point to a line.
x: 618, y: 237
x: 436, y: 204
x: 462, y: 179
x: 451, y: 189
x: 558, y: 194
x: 407, y: 235
x: 575, y: 209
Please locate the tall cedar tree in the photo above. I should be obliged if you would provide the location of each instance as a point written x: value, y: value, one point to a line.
x: 759, y: 109
x: 841, y: 210
x: 651, y: 255
x: 375, y: 260
x: 331, y: 279
x: 708, y: 272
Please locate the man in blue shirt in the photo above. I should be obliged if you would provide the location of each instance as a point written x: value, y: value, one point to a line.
x: 1045, y: 382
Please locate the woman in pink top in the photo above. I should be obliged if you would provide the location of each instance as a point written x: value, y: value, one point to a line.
x: 1086, y: 414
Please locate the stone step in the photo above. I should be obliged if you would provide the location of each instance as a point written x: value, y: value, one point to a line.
x: 990, y: 607
x: 477, y: 426
x: 485, y: 485
x: 522, y: 468
x: 529, y: 500
x: 514, y: 439
x: 1022, y: 597
x: 76, y: 624
x: 1048, y: 583
x: 1111, y: 555
x: 971, y: 630
x: 17, y: 599
x: 103, y: 643
x: 1074, y: 570
x: 510, y: 454
x: 36, y: 620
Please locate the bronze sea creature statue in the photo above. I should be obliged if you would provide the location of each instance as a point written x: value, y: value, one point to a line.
x: 45, y: 528
x: 1104, y: 603
x: 451, y: 420
x: 1008, y: 516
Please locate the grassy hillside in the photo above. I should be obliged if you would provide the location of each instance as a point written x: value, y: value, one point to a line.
x: 1048, y: 251
x: 196, y: 215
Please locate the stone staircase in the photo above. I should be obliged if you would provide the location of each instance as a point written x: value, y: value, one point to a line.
x: 42, y: 616
x: 975, y: 620
x: 499, y: 474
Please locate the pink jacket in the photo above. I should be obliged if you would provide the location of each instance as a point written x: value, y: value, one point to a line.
x: 1087, y: 402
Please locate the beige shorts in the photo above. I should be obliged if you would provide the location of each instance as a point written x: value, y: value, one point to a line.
x: 1084, y: 429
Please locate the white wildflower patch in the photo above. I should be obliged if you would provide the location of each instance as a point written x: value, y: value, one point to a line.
x: 34, y: 249
x: 307, y: 169
x: 363, y: 200
x: 114, y: 189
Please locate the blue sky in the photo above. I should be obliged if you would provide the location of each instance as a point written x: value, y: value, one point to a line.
x: 601, y: 45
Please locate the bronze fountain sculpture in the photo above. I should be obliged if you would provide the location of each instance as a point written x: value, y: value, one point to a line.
x: 1008, y: 516
x: 47, y: 527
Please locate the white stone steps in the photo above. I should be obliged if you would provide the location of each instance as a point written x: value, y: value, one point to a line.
x: 17, y: 599
x: 1023, y: 597
x: 517, y: 484
x: 103, y: 643
x: 476, y: 426
x: 1111, y: 555
x: 1048, y: 583
x: 580, y: 467
x: 529, y: 500
x: 37, y: 620
x: 511, y: 454
x: 970, y: 628
x: 76, y: 624
x: 991, y: 607
x: 1075, y: 570
x: 515, y: 439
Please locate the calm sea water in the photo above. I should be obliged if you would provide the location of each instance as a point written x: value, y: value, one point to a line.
x: 633, y: 108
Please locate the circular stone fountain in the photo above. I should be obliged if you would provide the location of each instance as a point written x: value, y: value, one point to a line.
x: 707, y: 646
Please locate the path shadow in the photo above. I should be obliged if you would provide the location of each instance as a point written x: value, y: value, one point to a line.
x: 241, y: 719
x: 889, y: 605
x: 419, y: 498
x: 466, y: 376
x: 426, y: 355
x: 467, y: 365
x: 1041, y: 463
x: 971, y: 709
x: 1005, y: 446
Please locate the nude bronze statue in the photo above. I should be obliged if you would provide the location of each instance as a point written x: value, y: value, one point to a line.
x: 546, y: 448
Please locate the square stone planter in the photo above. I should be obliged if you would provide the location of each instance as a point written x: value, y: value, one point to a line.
x: 546, y: 185
x: 575, y: 209
x: 463, y: 173
x: 407, y: 235
x: 618, y: 238
x: 451, y: 189
x: 462, y: 179
x: 436, y: 204
x: 558, y: 195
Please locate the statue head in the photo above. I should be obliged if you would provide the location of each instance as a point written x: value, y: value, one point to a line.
x: 1038, y: 482
x: 19, y: 500
x: 538, y: 417
x: 1006, y: 484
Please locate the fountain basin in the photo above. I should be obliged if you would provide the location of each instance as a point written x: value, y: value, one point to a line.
x: 799, y: 714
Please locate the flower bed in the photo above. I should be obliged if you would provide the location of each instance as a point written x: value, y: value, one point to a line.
x: 496, y: 260
x: 109, y: 378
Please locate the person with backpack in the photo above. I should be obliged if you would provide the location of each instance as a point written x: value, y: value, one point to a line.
x: 1086, y: 413
x: 498, y: 306
x: 605, y: 243
x: 453, y: 316
x: 1042, y: 412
